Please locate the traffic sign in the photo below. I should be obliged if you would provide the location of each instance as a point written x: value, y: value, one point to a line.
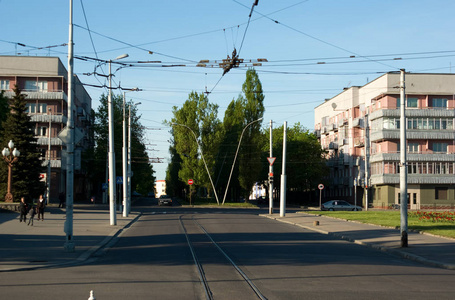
x: 190, y: 181
x: 321, y: 186
x: 105, y: 186
x: 271, y: 160
x: 119, y: 179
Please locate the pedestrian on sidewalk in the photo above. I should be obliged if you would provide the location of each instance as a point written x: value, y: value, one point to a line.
x: 40, y: 207
x: 31, y: 215
x: 23, y: 210
x: 61, y: 198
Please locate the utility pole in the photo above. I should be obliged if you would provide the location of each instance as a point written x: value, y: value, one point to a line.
x: 48, y: 191
x: 403, y: 164
x: 283, y: 174
x: 124, y: 163
x: 367, y: 158
x: 68, y: 227
x: 111, y: 154
x: 271, y: 172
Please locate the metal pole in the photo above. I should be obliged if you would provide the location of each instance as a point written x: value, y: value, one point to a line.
x: 111, y: 156
x: 129, y: 159
x: 235, y: 158
x: 403, y: 165
x: 283, y: 174
x: 68, y: 227
x: 124, y: 163
x: 271, y: 172
x: 48, y: 192
x: 367, y: 158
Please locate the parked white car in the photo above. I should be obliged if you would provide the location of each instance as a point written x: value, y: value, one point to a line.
x: 339, y: 205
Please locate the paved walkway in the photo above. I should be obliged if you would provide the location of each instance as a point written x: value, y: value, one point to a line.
x: 30, y: 247
x: 424, y: 248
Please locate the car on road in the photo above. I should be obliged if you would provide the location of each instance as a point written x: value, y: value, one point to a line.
x: 339, y: 205
x: 164, y: 200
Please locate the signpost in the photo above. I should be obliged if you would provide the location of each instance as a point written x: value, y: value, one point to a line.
x: 320, y: 187
x: 190, y: 182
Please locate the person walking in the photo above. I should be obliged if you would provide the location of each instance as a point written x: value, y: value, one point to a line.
x: 61, y: 198
x: 40, y: 207
x: 31, y: 215
x: 23, y: 210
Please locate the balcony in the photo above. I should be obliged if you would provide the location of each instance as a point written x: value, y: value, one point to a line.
x: 394, y: 134
x: 412, y: 112
x: 55, y: 163
x: 413, y: 179
x: 40, y: 95
x: 359, y: 141
x: 427, y: 156
x: 44, y: 141
x: 358, y: 122
x: 44, y: 118
x: 333, y: 145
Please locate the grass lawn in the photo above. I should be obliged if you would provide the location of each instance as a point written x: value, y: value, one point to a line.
x: 212, y: 202
x: 392, y: 219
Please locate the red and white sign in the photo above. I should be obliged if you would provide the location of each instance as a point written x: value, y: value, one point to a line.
x: 321, y: 186
x: 271, y: 160
x: 190, y: 181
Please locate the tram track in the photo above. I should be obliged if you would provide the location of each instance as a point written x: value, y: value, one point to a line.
x: 218, y: 273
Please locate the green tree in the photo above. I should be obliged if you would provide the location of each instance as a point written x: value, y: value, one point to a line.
x: 250, y: 151
x: 197, y: 124
x: 305, y: 162
x: 26, y: 171
x: 143, y: 179
x: 3, y: 108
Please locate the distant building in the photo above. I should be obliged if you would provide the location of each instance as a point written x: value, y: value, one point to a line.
x: 160, y: 188
x: 340, y: 126
x: 44, y: 81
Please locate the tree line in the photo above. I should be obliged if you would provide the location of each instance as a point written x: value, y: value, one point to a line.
x: 201, y: 141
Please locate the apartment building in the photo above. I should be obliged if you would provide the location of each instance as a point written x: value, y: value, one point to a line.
x: 360, y: 129
x: 44, y: 81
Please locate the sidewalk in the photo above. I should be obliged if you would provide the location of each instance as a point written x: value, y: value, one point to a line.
x: 424, y: 248
x: 30, y: 247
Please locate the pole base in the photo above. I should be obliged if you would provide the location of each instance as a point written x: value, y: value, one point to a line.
x: 404, y: 239
x: 69, y: 247
x: 9, y: 197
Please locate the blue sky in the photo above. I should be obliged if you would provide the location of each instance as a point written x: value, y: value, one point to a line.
x: 295, y: 36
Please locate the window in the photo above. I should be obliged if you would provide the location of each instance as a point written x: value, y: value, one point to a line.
x: 42, y: 108
x: 42, y: 131
x: 413, y: 147
x: 34, y: 85
x: 439, y: 103
x: 31, y: 108
x: 4, y: 85
x: 440, y: 193
x: 411, y: 102
x: 440, y: 147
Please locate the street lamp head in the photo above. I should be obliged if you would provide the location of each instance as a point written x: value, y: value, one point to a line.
x: 11, y: 144
x: 16, y: 153
x: 121, y: 56
x: 5, y: 152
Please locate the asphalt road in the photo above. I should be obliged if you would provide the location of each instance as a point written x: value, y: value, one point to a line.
x: 152, y: 260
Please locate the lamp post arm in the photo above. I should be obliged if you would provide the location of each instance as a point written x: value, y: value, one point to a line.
x: 203, y: 159
x: 235, y: 158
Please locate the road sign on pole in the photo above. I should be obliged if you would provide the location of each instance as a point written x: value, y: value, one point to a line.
x: 190, y: 181
x: 320, y: 187
x: 271, y: 160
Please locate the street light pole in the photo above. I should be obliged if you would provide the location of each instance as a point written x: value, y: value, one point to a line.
x: 203, y: 159
x: 10, y: 155
x: 126, y: 204
x: 111, y: 154
x: 237, y: 152
x: 48, y: 192
x: 129, y: 157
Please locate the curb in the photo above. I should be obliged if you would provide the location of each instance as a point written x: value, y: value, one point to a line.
x: 105, y: 244
x: 388, y: 250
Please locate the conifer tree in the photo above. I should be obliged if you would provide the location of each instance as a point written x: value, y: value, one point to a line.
x: 26, y: 171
